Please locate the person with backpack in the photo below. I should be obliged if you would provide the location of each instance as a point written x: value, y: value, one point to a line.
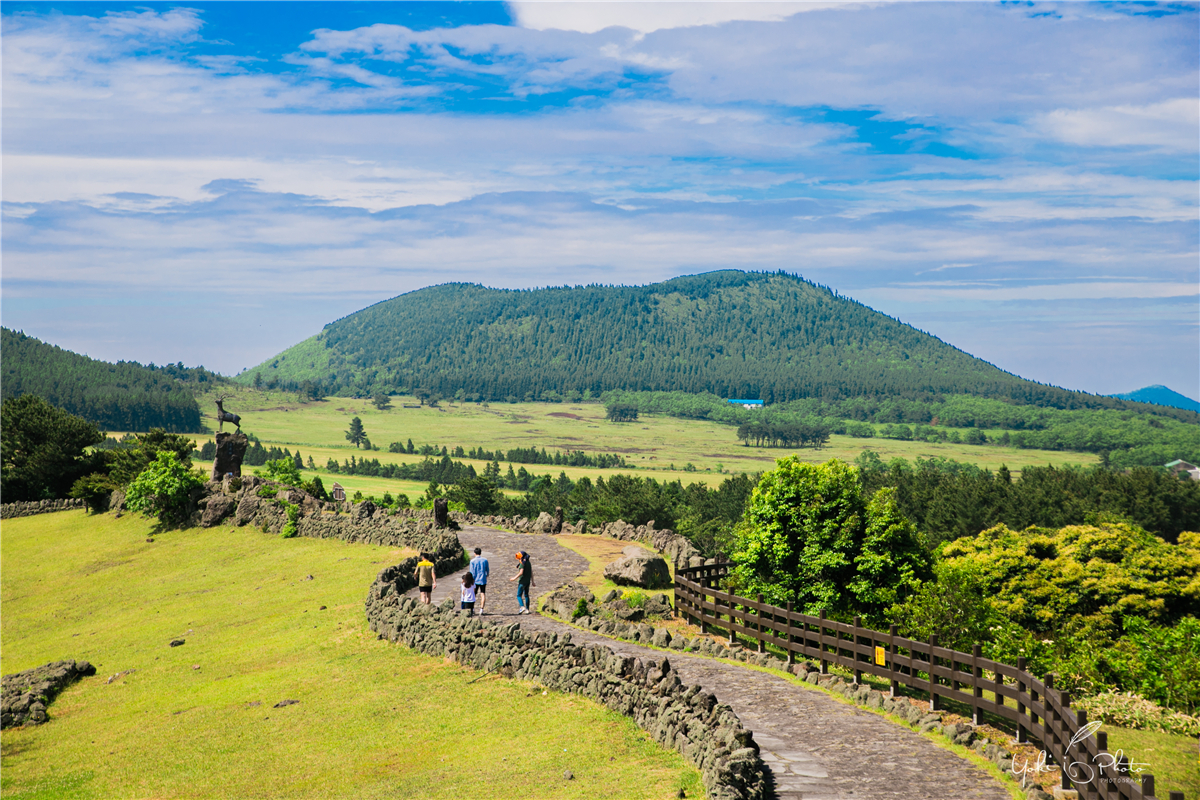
x: 426, y: 578
x: 524, y: 579
x: 479, y: 571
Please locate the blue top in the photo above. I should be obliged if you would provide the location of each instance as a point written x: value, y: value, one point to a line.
x: 479, y: 570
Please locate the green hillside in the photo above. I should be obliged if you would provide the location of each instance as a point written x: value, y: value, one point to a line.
x: 124, y: 396
x: 734, y: 334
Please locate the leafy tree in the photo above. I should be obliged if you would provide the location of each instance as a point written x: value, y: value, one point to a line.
x: 1084, y: 577
x: 890, y: 564
x: 95, y: 490
x: 356, y: 434
x: 284, y: 471
x: 808, y: 537
x: 479, y: 495
x: 298, y: 461
x: 381, y: 401
x: 164, y: 489
x: 954, y: 606
x: 316, y: 488
x: 622, y: 412
x: 208, y: 451
x: 43, y: 449
x: 258, y: 381
x: 127, y: 463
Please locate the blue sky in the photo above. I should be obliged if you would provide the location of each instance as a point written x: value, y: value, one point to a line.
x: 212, y: 182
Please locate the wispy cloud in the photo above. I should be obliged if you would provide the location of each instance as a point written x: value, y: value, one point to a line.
x: 1034, y: 154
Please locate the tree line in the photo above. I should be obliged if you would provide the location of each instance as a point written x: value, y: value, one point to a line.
x: 122, y: 396
x: 776, y: 434
x: 1143, y: 436
x: 948, y: 500
x: 517, y: 455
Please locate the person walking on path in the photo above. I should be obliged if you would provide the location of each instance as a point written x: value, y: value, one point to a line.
x: 479, y: 571
x: 468, y: 594
x: 524, y: 579
x: 426, y: 578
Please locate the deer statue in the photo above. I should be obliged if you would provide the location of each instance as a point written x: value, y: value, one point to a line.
x: 224, y: 416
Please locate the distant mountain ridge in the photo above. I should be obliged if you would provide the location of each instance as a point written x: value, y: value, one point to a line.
x: 769, y: 336
x: 1161, y: 396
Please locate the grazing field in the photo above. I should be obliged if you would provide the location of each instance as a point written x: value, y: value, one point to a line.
x: 657, y: 446
x: 199, y: 720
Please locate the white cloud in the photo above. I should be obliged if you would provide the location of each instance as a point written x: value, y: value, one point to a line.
x: 589, y: 17
x: 1171, y: 125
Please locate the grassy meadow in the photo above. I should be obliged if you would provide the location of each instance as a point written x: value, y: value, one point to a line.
x: 266, y: 620
x: 658, y: 446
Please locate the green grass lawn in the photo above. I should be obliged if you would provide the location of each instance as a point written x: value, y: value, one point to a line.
x: 656, y: 445
x: 373, y: 718
x: 1169, y: 757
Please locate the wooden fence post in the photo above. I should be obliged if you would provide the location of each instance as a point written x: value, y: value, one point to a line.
x: 1147, y: 787
x: 762, y: 645
x: 999, y: 678
x: 791, y: 655
x: 977, y: 683
x: 933, y: 697
x: 821, y: 643
x: 1022, y: 733
x: 1101, y: 750
x: 732, y: 607
x: 854, y: 651
x: 893, y: 666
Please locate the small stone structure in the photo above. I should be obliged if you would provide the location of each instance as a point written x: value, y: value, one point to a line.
x: 688, y: 719
x: 639, y: 568
x: 565, y: 599
x: 231, y: 449
x: 27, y: 508
x: 25, y: 695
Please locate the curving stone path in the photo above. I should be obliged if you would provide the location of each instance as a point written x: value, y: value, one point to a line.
x: 815, y: 747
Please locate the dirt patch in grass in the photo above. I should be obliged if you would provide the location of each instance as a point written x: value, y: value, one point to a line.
x: 563, y: 414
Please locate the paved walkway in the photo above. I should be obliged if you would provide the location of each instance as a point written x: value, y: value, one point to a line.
x: 815, y: 747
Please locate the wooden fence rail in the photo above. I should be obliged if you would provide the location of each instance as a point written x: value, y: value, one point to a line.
x: 1039, y: 712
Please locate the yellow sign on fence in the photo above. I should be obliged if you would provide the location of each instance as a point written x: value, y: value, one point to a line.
x: 881, y: 656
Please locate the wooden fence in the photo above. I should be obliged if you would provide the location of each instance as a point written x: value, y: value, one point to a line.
x: 1039, y: 712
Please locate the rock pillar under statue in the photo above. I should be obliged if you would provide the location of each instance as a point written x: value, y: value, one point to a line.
x: 231, y: 449
x: 441, y: 512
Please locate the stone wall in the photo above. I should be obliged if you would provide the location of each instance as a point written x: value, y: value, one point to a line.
x: 363, y: 523
x: 688, y: 719
x: 677, y: 549
x: 25, y: 695
x: 28, y: 509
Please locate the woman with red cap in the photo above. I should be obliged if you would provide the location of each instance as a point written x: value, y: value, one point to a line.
x: 524, y: 579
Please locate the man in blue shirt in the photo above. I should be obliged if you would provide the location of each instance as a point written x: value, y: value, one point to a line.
x: 479, y: 571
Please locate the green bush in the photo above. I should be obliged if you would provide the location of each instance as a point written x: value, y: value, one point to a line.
x: 809, y: 538
x: 95, y: 490
x: 581, y: 610
x: 164, y: 489
x: 290, y: 528
x: 1129, y: 710
x: 283, y: 471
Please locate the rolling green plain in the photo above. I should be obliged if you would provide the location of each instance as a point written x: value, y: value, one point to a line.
x: 655, y: 446
x: 264, y: 620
